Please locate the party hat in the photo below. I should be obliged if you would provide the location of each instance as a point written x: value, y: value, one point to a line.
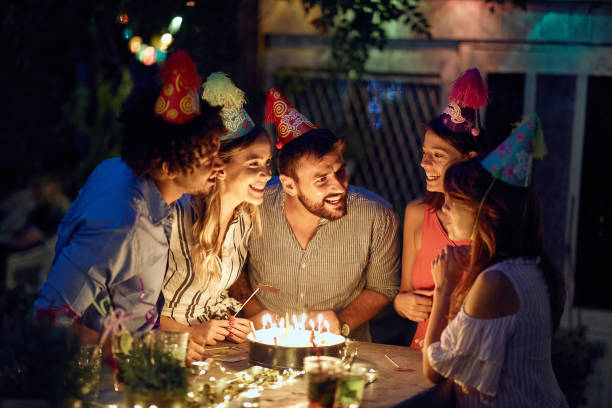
x: 511, y: 160
x: 468, y: 94
x: 178, y: 101
x: 219, y: 90
x: 289, y: 122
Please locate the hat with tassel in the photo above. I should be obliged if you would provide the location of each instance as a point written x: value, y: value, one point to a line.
x: 289, y: 122
x: 468, y: 94
x: 511, y: 160
x: 178, y: 101
x: 219, y: 90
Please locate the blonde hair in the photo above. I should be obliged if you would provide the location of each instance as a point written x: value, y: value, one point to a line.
x: 207, y: 235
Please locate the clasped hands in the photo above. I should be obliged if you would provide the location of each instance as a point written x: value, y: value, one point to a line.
x: 447, y: 269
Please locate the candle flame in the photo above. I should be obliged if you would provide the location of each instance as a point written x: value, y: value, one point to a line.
x: 266, y: 319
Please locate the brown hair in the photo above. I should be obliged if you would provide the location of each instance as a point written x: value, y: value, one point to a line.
x: 464, y: 143
x: 206, y: 230
x: 148, y: 141
x: 317, y: 142
x: 509, y: 225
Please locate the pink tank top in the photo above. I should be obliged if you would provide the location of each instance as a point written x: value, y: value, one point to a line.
x: 433, y: 240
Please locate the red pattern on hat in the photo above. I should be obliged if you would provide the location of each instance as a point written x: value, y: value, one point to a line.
x: 289, y: 122
x: 179, y: 100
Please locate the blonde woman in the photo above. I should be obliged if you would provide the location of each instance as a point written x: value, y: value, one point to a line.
x: 210, y: 235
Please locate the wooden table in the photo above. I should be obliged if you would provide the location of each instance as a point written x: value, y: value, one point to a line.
x: 391, y: 387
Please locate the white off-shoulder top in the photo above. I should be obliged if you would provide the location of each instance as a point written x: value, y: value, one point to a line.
x: 503, y: 362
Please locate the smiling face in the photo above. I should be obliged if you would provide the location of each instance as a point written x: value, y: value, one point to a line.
x: 438, y: 155
x: 202, y: 178
x: 460, y: 219
x: 321, y: 184
x: 247, y: 172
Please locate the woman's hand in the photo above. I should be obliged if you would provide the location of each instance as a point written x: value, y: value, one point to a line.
x: 211, y: 331
x: 414, y: 305
x: 448, y: 267
x: 238, y: 329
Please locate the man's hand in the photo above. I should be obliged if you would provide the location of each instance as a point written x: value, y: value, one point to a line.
x: 328, y: 315
x: 195, y: 348
x: 238, y: 328
x: 414, y: 305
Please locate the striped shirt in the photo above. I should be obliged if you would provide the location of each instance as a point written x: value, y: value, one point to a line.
x: 355, y: 252
x: 186, y: 302
x: 506, y: 361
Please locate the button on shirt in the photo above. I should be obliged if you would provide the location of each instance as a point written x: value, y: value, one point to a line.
x: 355, y: 252
x: 115, y: 234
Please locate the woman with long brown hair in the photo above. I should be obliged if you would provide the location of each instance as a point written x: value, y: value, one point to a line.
x: 210, y: 232
x: 490, y: 332
x: 455, y: 135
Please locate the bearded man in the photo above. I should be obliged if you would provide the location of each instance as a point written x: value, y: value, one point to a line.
x: 330, y: 247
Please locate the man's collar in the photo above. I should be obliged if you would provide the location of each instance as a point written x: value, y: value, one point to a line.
x: 158, y: 208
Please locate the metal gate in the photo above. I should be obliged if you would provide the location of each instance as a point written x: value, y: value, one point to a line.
x: 382, y: 121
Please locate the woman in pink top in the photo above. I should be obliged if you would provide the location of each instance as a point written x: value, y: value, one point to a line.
x: 451, y: 137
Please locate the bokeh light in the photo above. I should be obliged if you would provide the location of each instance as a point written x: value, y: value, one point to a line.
x: 127, y: 33
x: 175, y: 24
x: 166, y: 40
x: 134, y: 44
x: 149, y: 55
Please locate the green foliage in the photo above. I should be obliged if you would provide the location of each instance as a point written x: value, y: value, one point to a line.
x: 147, y: 367
x: 573, y: 358
x: 357, y: 26
x: 38, y: 361
x: 93, y: 113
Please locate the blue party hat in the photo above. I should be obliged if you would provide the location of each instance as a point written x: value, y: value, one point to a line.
x: 511, y: 160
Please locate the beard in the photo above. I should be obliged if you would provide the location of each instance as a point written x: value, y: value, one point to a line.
x: 319, y: 208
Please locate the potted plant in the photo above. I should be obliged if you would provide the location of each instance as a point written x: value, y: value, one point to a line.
x: 152, y: 376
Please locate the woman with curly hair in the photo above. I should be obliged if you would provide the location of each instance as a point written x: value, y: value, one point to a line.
x: 209, y: 237
x: 490, y: 332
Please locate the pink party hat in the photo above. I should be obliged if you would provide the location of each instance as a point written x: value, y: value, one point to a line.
x: 468, y: 94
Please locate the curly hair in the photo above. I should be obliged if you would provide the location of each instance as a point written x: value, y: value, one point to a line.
x: 149, y: 141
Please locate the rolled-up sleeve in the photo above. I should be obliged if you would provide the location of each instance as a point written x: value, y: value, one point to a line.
x: 85, y: 266
x: 382, y: 273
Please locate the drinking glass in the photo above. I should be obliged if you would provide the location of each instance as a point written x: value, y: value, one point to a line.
x: 174, y: 342
x: 322, y: 376
x: 352, y: 383
x: 88, y: 368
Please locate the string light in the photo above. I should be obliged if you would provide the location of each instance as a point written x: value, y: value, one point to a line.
x: 156, y: 51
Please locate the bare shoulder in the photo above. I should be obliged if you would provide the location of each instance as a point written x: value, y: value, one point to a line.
x: 414, y: 214
x: 492, y: 295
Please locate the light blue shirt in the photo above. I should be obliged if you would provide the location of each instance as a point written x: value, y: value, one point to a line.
x: 115, y: 234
